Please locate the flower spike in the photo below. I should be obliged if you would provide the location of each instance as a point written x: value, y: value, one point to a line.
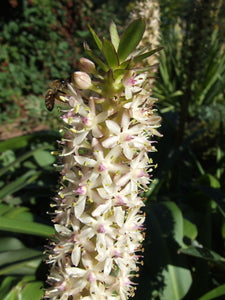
x: 110, y: 123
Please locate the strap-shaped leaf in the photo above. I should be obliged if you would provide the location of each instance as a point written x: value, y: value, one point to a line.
x: 114, y: 35
x: 147, y: 54
x: 18, y: 255
x: 214, y: 293
x: 96, y: 38
x: 110, y: 53
x: 204, y: 253
x: 131, y: 38
x: 19, y: 183
x: 14, y: 225
x: 145, y: 69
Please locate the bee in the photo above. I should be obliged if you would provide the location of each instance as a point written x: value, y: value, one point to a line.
x: 55, y: 90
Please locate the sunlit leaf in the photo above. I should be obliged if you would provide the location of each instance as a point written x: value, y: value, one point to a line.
x: 43, y: 158
x: 214, y: 294
x: 131, y: 38
x: 6, y: 286
x: 177, y: 282
x: 190, y: 229
x: 32, y: 290
x: 114, y: 35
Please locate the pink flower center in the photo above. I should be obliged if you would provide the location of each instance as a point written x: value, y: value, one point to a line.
x: 101, y: 168
x: 81, y: 190
x: 101, y: 229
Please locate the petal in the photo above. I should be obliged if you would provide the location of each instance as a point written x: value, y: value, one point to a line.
x: 62, y: 230
x: 110, y: 142
x: 119, y: 215
x: 101, y: 245
x: 108, y: 266
x: 101, y: 209
x: 79, y: 138
x: 75, y: 256
x: 123, y: 180
x: 125, y: 120
x: 96, y: 131
x: 113, y: 127
x: 80, y: 206
x: 106, y: 179
x: 75, y: 272
x: 128, y: 151
x: 102, y: 116
x: 128, y: 93
x: 85, y: 161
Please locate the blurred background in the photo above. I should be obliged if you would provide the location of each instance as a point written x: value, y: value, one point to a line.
x: 42, y: 40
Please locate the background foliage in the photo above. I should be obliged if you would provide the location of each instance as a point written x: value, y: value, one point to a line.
x: 185, y: 207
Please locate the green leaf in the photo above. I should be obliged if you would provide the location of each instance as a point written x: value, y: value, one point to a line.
x: 214, y: 294
x: 22, y: 158
x: 204, y: 253
x: 146, y: 69
x: 33, y: 228
x: 223, y: 230
x: 110, y: 53
x: 43, y: 158
x: 15, y: 143
x: 23, y: 141
x: 18, y: 255
x: 6, y: 286
x: 190, y: 229
x: 32, y: 290
x: 177, y: 220
x: 19, y: 183
x: 177, y: 282
x: 27, y: 267
x: 131, y: 38
x: 10, y: 243
x: 25, y: 289
x: 147, y: 54
x: 96, y: 38
x: 22, y: 213
x: 164, y: 234
x: 114, y: 35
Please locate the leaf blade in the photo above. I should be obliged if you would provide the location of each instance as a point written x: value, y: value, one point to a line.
x: 130, y: 38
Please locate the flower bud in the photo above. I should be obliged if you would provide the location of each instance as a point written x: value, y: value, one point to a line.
x: 86, y: 65
x: 81, y: 80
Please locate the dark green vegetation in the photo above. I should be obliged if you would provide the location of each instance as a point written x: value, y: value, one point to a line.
x: 185, y: 208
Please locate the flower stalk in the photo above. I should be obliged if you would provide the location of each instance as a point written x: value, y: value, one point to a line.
x: 110, y: 123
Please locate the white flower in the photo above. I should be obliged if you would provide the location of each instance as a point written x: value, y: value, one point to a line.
x: 128, y: 136
x: 133, y: 84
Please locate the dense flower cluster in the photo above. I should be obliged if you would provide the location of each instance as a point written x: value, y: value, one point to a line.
x: 109, y: 126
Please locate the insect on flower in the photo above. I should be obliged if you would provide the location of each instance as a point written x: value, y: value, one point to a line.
x: 55, y: 90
